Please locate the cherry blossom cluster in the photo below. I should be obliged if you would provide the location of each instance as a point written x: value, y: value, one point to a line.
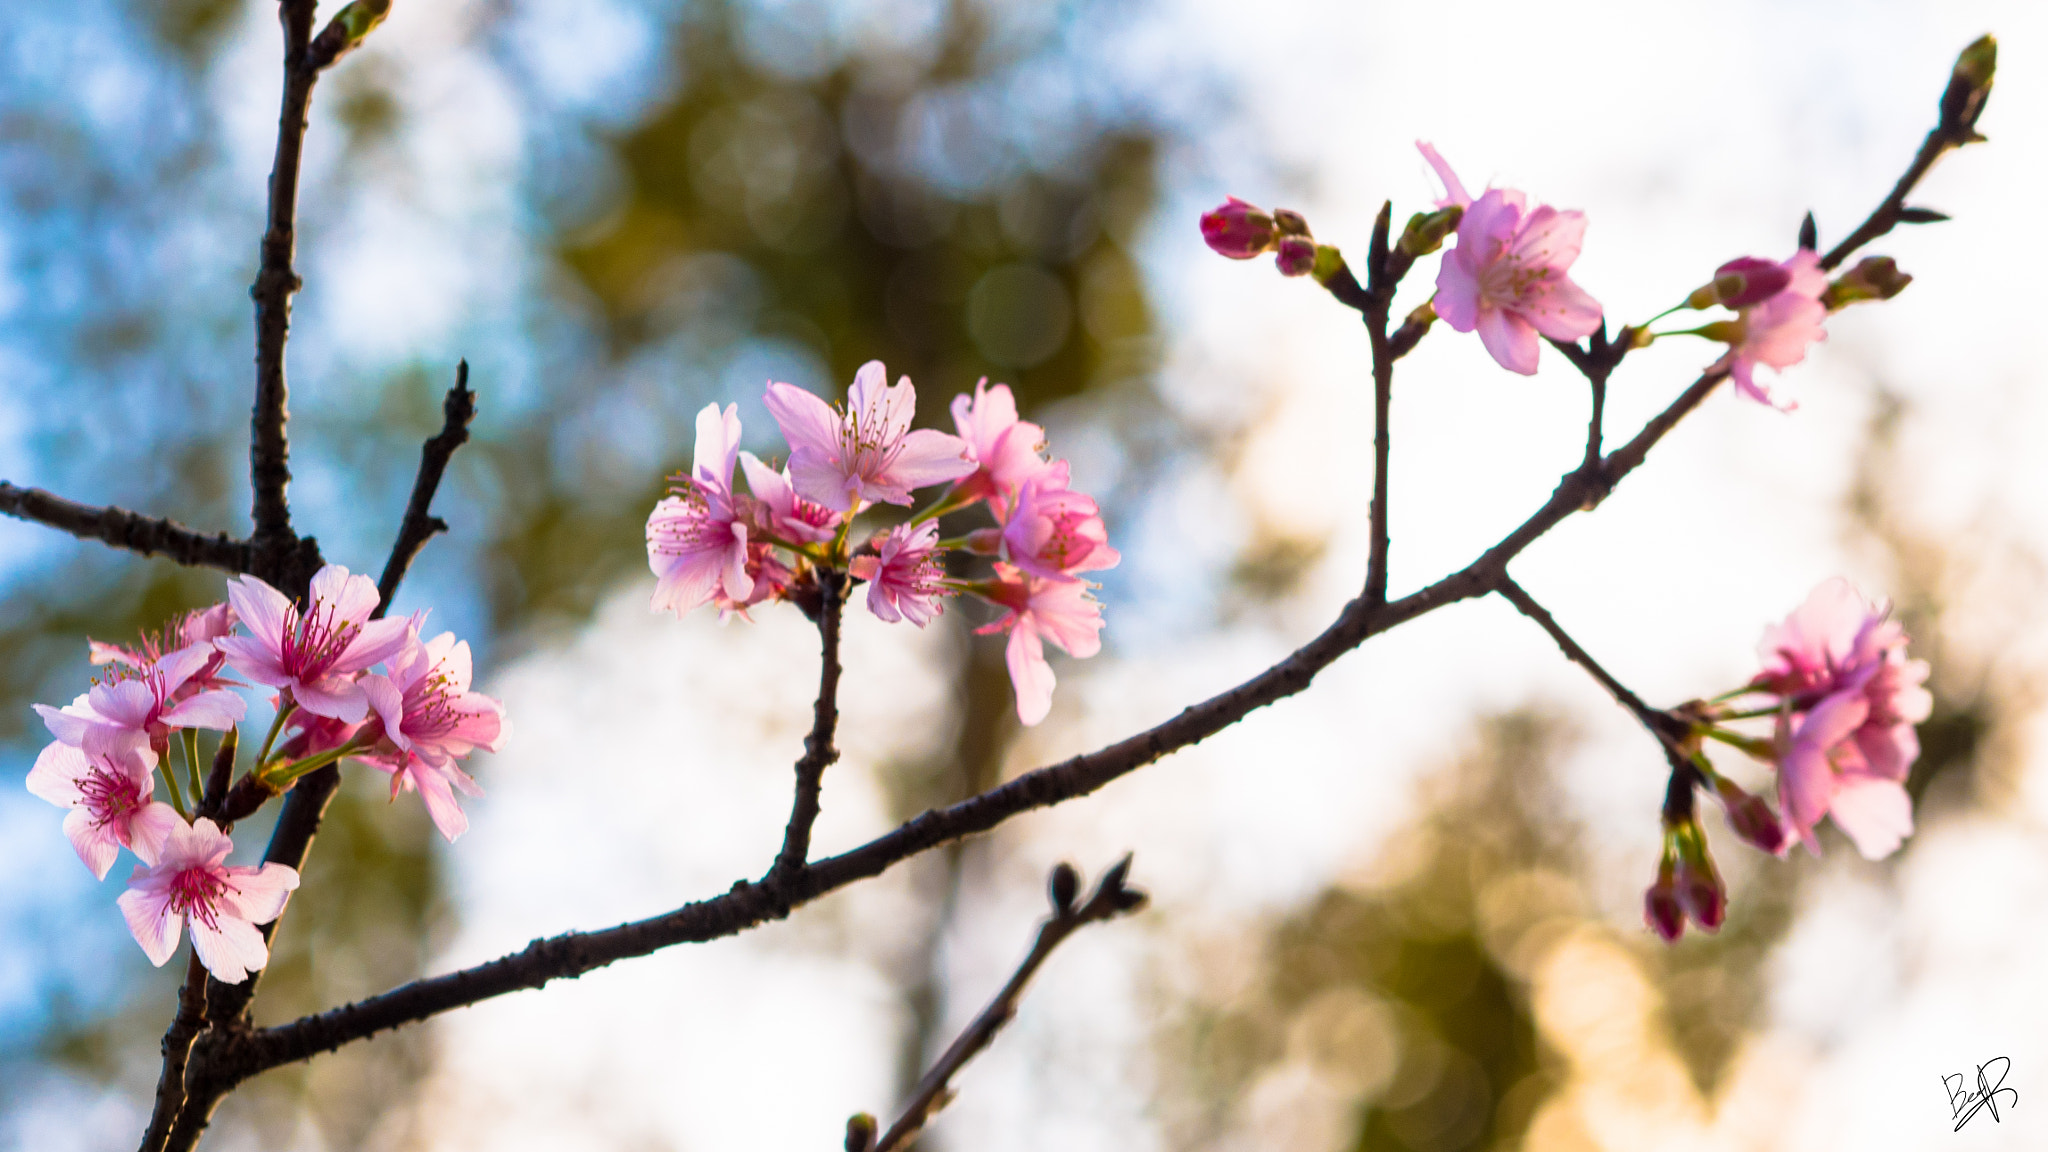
x: 115, y: 748
x: 1837, y: 686
x: 1841, y: 698
x: 708, y: 542
x: 1507, y: 279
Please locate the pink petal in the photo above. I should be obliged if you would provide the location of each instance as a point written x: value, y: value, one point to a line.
x: 806, y: 422
x: 334, y: 697
x: 218, y: 709
x: 58, y: 769
x: 178, y: 667
x: 688, y: 582
x: 1030, y: 674
x: 150, y: 920
x: 261, y: 608
x: 254, y: 658
x: 718, y: 438
x: 258, y: 894
x: 1457, y: 295
x: 1454, y: 192
x: 1509, y: 339
x: 231, y: 949
x: 128, y: 704
x: 1876, y: 814
x: 350, y: 598
x: 819, y: 478
x: 448, y: 817
x: 737, y: 584
x: 96, y: 844
x: 929, y: 456
x: 1551, y: 238
x: 1561, y: 310
x: 378, y: 641
x: 150, y: 829
x: 389, y: 705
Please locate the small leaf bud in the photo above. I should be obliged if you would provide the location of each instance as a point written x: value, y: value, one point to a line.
x: 1873, y: 278
x: 1064, y: 884
x: 1426, y: 231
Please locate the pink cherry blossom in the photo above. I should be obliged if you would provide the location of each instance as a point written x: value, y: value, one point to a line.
x: 1777, y: 331
x: 1506, y: 277
x: 139, y: 707
x: 1850, y: 698
x: 316, y: 655
x: 198, y: 628
x: 192, y: 880
x: 1005, y: 450
x: 109, y: 797
x: 696, y: 536
x: 1056, y: 532
x: 776, y: 510
x: 868, y: 452
x: 1061, y: 611
x: 427, y: 718
x: 905, y: 579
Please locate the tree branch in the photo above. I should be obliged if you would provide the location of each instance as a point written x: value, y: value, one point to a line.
x: 1383, y: 282
x: 1110, y: 900
x: 819, y: 752
x: 126, y: 530
x: 269, y: 450
x: 1667, y: 729
x: 177, y: 1047
x: 419, y: 525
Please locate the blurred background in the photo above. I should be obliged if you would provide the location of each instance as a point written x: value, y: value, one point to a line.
x: 1400, y: 912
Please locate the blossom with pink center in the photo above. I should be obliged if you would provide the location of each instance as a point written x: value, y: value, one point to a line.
x: 139, y: 707
x: 1506, y: 277
x: 191, y: 880
x: 696, y: 537
x: 776, y: 510
x: 428, y: 718
x: 1061, y: 611
x: 906, y: 576
x: 1056, y: 532
x: 316, y: 654
x: 1005, y: 450
x: 1776, y: 331
x: 843, y: 460
x: 109, y: 797
x: 1850, y: 698
x: 197, y: 628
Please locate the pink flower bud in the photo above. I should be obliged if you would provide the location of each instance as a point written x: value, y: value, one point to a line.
x: 1238, y: 230
x: 1662, y: 912
x: 1751, y: 818
x: 1296, y: 256
x: 1702, y: 895
x: 1747, y: 280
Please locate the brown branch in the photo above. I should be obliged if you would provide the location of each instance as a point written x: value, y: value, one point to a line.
x: 819, y: 752
x: 419, y: 525
x: 1110, y: 900
x: 177, y: 1047
x: 1668, y: 730
x: 1969, y: 86
x: 1384, y: 280
x: 131, y: 531
x: 269, y: 449
x: 229, y: 1057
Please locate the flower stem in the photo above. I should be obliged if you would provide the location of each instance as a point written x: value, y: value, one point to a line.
x: 190, y: 739
x: 284, y: 712
x: 171, y: 785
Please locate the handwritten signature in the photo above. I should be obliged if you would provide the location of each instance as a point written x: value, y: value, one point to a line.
x: 1966, y: 1104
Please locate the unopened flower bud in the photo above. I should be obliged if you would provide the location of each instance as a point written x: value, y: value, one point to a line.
x: 1969, y: 86
x: 1741, y: 282
x: 1327, y: 264
x: 1751, y: 817
x: 1698, y: 882
x: 1238, y: 230
x: 860, y: 1132
x: 1426, y: 230
x: 1062, y: 886
x: 985, y: 541
x: 1296, y: 256
x: 1873, y: 278
x: 1661, y: 909
x: 1290, y: 222
x: 346, y: 31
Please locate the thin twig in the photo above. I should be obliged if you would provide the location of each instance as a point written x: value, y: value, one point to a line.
x: 819, y: 750
x: 1667, y: 729
x: 458, y: 408
x: 177, y: 1047
x: 269, y: 449
x: 1383, y: 282
x: 131, y: 531
x: 1110, y: 900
